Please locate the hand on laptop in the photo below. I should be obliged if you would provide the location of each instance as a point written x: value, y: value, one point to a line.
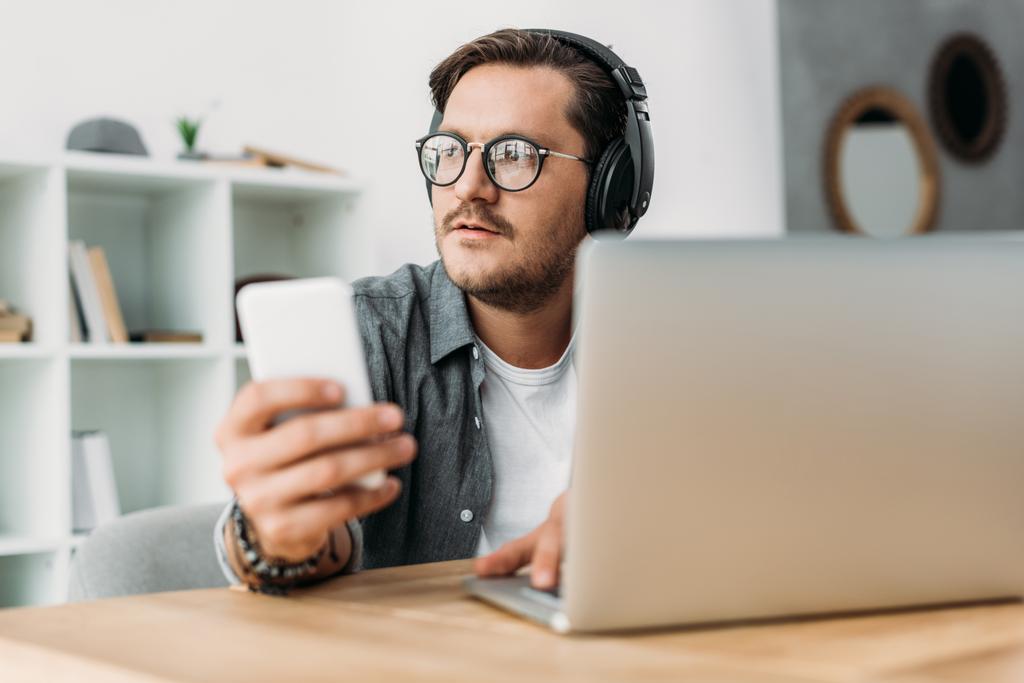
x: 542, y: 548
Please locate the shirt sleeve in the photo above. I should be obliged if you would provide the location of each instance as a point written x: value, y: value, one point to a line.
x: 355, y: 559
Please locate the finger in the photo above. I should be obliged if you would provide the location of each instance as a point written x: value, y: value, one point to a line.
x: 331, y: 470
x: 258, y: 402
x: 546, y: 556
x: 287, y: 534
x: 305, y: 435
x: 508, y: 558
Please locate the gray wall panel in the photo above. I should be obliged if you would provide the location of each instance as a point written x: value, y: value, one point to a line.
x: 830, y: 48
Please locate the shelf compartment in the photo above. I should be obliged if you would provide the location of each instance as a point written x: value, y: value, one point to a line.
x: 167, y: 241
x: 295, y: 231
x: 160, y: 416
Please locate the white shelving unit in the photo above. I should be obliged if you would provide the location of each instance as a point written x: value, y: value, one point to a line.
x: 177, y: 235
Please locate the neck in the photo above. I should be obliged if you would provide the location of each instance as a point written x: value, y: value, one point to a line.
x: 526, y: 340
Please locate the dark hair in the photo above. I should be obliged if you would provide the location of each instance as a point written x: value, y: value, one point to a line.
x: 598, y: 111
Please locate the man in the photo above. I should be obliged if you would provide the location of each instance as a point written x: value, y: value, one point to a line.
x: 471, y: 356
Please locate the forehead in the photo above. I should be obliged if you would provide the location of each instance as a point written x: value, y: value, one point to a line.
x: 493, y: 99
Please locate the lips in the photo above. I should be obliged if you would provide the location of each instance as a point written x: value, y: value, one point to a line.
x: 466, y: 225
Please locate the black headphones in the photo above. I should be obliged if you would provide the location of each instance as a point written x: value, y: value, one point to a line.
x: 623, y: 173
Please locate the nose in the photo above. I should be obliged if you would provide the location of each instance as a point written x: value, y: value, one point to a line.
x: 474, y: 183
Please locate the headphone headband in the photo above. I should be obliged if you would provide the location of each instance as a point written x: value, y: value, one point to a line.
x: 626, y: 77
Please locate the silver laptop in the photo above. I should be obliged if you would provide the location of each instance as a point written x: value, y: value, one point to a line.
x: 791, y: 427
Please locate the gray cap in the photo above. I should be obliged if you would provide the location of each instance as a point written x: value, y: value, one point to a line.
x: 106, y: 135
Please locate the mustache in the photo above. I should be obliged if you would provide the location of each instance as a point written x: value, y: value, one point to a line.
x: 482, y: 214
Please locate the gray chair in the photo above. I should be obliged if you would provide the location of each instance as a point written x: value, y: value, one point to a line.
x: 162, y: 549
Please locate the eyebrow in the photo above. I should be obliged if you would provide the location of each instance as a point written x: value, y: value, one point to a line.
x: 539, y: 139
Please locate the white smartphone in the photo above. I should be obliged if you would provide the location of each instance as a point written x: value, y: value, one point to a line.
x: 306, y: 328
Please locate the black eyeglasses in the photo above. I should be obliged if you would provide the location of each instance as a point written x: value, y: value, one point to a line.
x: 512, y: 162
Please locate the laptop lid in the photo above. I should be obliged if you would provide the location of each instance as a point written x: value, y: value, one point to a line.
x: 795, y: 426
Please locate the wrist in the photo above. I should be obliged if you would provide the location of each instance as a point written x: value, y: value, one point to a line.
x: 263, y: 572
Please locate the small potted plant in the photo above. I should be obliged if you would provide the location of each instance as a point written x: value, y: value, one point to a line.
x: 189, y: 131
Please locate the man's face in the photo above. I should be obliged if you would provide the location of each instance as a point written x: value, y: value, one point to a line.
x: 531, y: 246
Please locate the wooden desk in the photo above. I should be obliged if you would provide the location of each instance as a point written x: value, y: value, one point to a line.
x: 414, y: 623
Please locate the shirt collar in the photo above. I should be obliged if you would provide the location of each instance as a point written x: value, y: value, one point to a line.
x: 450, y: 326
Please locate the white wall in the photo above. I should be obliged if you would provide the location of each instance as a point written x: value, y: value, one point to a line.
x: 345, y: 83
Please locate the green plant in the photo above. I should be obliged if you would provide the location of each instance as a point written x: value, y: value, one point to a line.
x: 189, y: 130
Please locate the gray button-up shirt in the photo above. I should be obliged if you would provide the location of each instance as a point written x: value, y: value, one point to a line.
x: 420, y: 350
x: 419, y: 347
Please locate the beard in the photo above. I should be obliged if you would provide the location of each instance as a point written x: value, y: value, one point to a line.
x: 542, y: 267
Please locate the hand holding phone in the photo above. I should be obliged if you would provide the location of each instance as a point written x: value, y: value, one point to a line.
x: 300, y: 479
x: 306, y: 328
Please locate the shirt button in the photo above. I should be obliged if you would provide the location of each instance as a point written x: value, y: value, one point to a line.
x: 476, y: 353
x: 466, y: 516
x: 477, y: 420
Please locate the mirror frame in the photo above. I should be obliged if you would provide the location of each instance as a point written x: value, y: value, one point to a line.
x: 882, y: 97
x: 974, y: 48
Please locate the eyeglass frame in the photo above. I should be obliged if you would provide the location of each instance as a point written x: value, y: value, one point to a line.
x: 485, y: 149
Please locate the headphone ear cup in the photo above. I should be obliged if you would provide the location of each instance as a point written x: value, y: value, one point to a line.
x: 610, y: 191
x: 435, y: 124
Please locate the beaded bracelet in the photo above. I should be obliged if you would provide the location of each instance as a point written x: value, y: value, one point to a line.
x: 275, y: 577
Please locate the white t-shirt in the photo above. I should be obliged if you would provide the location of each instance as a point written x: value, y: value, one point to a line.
x: 529, y: 422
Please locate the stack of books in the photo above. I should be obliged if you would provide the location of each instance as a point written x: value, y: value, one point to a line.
x: 94, y: 309
x: 14, y: 327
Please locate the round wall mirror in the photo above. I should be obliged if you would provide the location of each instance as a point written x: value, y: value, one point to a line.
x: 881, y: 171
x: 967, y: 97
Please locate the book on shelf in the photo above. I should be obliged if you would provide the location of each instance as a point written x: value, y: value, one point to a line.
x: 75, y: 324
x: 94, y: 489
x: 166, y: 336
x: 108, y: 295
x: 88, y: 293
